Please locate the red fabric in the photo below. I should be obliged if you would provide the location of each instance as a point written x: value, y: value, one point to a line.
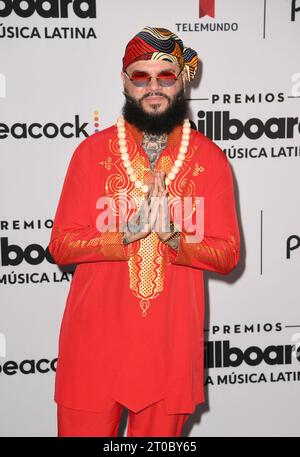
x: 132, y: 329
x: 207, y: 7
x: 151, y: 421
x: 137, y: 49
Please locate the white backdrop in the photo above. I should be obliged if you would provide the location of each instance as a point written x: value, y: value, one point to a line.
x: 250, y: 73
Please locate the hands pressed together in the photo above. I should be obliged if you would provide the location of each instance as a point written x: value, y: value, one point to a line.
x: 153, y: 214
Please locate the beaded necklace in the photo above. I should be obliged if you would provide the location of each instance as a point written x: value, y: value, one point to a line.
x: 127, y: 163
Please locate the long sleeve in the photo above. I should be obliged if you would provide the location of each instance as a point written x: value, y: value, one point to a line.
x: 219, y: 248
x: 75, y: 237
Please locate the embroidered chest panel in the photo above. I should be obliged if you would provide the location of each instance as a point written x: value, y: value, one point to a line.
x: 149, y: 255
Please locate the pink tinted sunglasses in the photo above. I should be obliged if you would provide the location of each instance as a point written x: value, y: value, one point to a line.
x: 142, y: 78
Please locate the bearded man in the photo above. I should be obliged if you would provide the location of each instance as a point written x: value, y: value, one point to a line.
x: 132, y: 331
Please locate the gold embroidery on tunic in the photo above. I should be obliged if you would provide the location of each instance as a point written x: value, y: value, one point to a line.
x: 108, y: 163
x: 197, y: 169
x: 147, y: 257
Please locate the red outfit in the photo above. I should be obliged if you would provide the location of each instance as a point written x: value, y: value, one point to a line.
x: 151, y: 421
x: 132, y: 329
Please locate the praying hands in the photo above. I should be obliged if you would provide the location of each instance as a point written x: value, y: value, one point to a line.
x: 153, y: 214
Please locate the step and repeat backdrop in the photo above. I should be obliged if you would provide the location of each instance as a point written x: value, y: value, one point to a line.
x: 60, y: 65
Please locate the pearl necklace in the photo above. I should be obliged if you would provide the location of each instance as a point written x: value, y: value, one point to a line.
x: 128, y: 166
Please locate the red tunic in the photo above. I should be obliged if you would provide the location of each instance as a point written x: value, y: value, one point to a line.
x: 132, y: 328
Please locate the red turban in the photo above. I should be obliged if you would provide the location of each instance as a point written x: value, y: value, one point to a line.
x: 160, y: 44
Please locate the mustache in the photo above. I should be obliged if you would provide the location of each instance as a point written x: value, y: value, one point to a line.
x: 154, y: 94
x: 149, y: 94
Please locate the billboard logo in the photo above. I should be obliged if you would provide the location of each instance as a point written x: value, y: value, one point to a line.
x: 12, y: 254
x: 50, y: 8
x: 220, y: 354
x: 206, y: 8
x: 219, y: 125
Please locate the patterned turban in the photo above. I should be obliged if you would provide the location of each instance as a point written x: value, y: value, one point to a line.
x: 160, y: 44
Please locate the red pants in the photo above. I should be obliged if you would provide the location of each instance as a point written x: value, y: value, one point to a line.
x: 151, y: 421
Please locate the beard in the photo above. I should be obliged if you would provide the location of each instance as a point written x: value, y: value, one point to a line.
x: 155, y: 124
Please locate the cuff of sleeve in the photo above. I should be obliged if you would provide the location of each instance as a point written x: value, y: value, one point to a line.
x: 174, y: 254
x: 182, y: 256
x: 113, y: 247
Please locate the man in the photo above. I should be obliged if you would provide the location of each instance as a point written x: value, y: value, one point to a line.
x: 132, y: 330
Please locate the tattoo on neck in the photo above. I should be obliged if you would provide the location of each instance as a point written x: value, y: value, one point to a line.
x: 154, y: 145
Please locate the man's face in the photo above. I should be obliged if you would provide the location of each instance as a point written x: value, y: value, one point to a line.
x: 153, y: 99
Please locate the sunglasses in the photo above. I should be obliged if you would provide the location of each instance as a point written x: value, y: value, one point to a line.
x: 142, y: 78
